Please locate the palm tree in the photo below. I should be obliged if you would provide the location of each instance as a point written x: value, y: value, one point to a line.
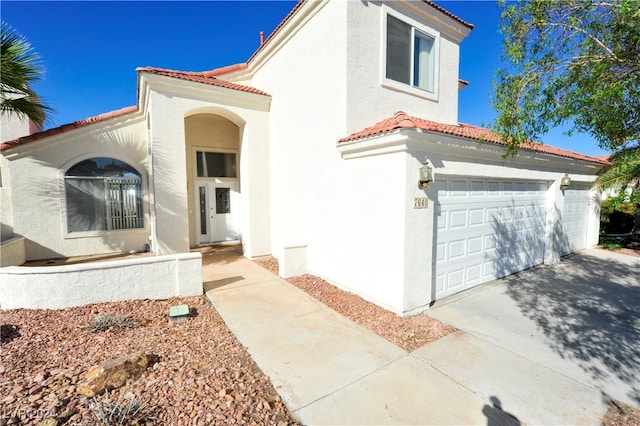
x: 19, y: 69
x: 622, y: 176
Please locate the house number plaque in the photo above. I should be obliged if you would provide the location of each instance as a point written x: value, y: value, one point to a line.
x: 421, y: 203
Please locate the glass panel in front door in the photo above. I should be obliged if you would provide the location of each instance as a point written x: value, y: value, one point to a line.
x: 202, y: 193
x: 223, y: 201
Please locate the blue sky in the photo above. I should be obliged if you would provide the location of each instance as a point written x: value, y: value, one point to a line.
x: 90, y: 49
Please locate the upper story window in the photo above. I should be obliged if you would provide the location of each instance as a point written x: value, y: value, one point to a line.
x: 411, y: 55
x: 103, y: 194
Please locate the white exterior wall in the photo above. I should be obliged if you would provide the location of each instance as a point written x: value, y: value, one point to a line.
x: 370, y: 97
x: 37, y: 187
x: 169, y: 102
x: 13, y: 127
x: 66, y: 286
x: 353, y: 216
x: 6, y: 206
x: 409, y: 286
x: 307, y: 78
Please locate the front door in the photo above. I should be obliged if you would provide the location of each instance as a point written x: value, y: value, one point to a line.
x: 217, y: 211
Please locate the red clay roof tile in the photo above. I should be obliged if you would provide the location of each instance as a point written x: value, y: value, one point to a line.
x: 201, y: 77
x: 275, y: 31
x: 401, y: 120
x: 449, y: 14
x: 225, y: 70
x: 66, y: 127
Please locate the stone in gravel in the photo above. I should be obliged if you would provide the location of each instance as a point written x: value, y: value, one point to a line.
x: 36, y: 389
x: 113, y: 374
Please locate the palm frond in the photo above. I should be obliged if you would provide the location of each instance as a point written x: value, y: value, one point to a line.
x: 20, y: 67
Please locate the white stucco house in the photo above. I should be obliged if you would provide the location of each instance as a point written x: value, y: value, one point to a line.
x: 311, y: 151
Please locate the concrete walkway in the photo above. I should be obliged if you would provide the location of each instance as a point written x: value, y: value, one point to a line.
x: 329, y: 370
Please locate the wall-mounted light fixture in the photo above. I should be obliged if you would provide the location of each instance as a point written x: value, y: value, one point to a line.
x: 425, y: 176
x: 565, y: 182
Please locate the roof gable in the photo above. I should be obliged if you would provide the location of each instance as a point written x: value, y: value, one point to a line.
x: 67, y: 127
x: 200, y: 77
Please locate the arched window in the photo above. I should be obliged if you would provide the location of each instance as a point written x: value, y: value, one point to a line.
x: 103, y: 194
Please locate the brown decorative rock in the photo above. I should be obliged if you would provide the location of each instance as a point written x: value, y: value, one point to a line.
x: 113, y: 374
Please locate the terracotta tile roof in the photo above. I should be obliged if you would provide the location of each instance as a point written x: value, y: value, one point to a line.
x: 449, y: 14
x: 224, y: 70
x: 275, y: 31
x: 401, y: 120
x: 66, y: 127
x: 200, y: 77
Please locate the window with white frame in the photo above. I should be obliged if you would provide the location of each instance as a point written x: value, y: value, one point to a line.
x: 103, y: 194
x: 410, y: 55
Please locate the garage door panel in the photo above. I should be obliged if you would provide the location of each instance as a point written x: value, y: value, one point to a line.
x: 487, y: 228
x: 574, y: 220
x: 457, y: 219
x: 456, y: 249
x: 474, y: 245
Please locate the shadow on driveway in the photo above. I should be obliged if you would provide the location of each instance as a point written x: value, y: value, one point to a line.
x: 589, y: 309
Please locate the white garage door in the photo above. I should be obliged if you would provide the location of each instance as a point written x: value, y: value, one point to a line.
x: 486, y: 229
x: 575, y: 217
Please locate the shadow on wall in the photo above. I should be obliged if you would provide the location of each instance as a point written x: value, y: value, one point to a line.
x: 170, y: 210
x: 50, y: 193
x: 588, y: 309
x: 496, y: 416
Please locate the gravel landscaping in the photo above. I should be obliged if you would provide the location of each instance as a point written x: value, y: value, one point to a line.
x: 198, y: 372
x: 409, y: 333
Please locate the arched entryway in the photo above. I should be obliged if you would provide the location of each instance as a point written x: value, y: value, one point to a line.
x: 213, y: 179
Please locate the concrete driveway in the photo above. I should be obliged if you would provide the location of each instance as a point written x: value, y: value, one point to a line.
x: 578, y: 320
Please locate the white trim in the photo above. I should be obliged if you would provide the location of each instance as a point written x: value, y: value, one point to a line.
x: 212, y: 180
x: 295, y: 23
x: 205, y: 92
x: 469, y: 150
x: 399, y: 86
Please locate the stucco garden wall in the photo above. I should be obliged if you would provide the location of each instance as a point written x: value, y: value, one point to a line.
x: 65, y: 286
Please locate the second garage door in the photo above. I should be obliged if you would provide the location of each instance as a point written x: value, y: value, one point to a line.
x: 486, y: 229
x: 574, y: 220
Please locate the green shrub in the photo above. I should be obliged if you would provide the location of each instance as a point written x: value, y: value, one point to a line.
x: 616, y: 217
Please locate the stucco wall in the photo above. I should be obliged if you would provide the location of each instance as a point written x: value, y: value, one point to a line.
x: 170, y: 102
x: 38, y: 196
x: 13, y: 252
x: 13, y: 127
x: 370, y: 96
x: 6, y: 212
x: 307, y: 78
x: 59, y: 287
x: 407, y: 234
